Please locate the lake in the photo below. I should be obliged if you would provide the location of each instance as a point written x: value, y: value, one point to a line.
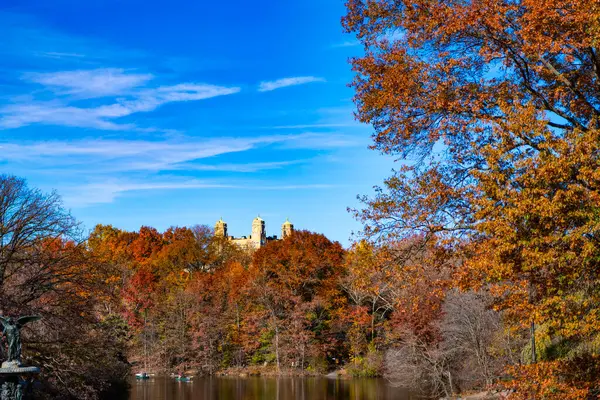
x: 258, y: 388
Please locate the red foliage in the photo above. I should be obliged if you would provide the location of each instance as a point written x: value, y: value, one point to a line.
x: 147, y: 243
x: 138, y: 296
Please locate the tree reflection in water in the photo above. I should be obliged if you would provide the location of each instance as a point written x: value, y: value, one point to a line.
x: 225, y: 388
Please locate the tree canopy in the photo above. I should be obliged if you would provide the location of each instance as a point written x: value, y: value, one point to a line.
x: 493, y: 108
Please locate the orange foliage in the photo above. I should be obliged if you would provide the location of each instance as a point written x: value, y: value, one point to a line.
x: 305, y: 265
x: 554, y: 380
x: 496, y: 107
x: 147, y: 243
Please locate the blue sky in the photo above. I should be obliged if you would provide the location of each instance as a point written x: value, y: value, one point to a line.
x: 180, y: 112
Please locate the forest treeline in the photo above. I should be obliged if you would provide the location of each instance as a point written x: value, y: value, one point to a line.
x: 114, y: 302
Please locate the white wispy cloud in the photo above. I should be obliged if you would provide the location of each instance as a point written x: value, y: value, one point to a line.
x: 318, y: 140
x: 317, y: 125
x: 60, y: 55
x: 347, y: 43
x: 75, y: 69
x: 267, y: 86
x: 104, y: 156
x: 90, y: 83
x: 239, y: 167
x: 102, y: 170
x: 56, y: 113
x: 134, y: 97
x: 108, y: 192
x: 127, y: 154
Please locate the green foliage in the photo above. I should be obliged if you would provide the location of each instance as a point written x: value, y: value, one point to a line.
x: 318, y: 364
x: 116, y: 328
x: 543, y: 343
x: 265, y: 351
x: 369, y: 365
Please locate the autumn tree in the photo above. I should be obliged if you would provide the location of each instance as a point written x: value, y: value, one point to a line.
x: 148, y: 241
x: 109, y: 246
x: 31, y: 224
x: 493, y: 107
x: 396, y: 289
x: 296, y: 282
x: 369, y: 283
x: 469, y: 352
x: 45, y: 269
x: 221, y: 319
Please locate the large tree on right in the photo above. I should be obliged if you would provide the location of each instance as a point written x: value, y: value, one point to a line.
x: 493, y: 107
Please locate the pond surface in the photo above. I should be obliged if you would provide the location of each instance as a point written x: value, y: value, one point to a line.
x: 226, y: 388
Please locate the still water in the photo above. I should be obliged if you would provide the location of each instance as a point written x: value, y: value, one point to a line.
x: 225, y: 388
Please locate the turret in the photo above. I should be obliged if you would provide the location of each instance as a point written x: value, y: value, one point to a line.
x: 221, y: 228
x: 259, y: 233
x: 286, y: 229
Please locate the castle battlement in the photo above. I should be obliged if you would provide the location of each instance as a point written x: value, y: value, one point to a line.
x: 258, y: 238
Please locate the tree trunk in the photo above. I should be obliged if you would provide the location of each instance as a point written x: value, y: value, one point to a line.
x: 277, y: 347
x: 533, y: 350
x: 145, y: 344
x: 373, y: 321
x: 276, y: 339
x: 450, y: 383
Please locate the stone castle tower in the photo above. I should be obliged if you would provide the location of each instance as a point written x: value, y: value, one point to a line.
x: 259, y: 233
x: 258, y: 238
x: 286, y: 229
x: 221, y: 228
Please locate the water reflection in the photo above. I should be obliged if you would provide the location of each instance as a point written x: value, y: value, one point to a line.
x: 223, y: 388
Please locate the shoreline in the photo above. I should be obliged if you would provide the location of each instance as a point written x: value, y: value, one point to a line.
x: 272, y: 372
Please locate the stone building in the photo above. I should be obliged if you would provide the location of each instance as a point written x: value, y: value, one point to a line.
x: 286, y: 229
x: 258, y: 237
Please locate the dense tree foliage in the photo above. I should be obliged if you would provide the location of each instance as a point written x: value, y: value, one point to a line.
x: 296, y: 283
x: 186, y: 300
x: 46, y: 270
x: 493, y: 107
